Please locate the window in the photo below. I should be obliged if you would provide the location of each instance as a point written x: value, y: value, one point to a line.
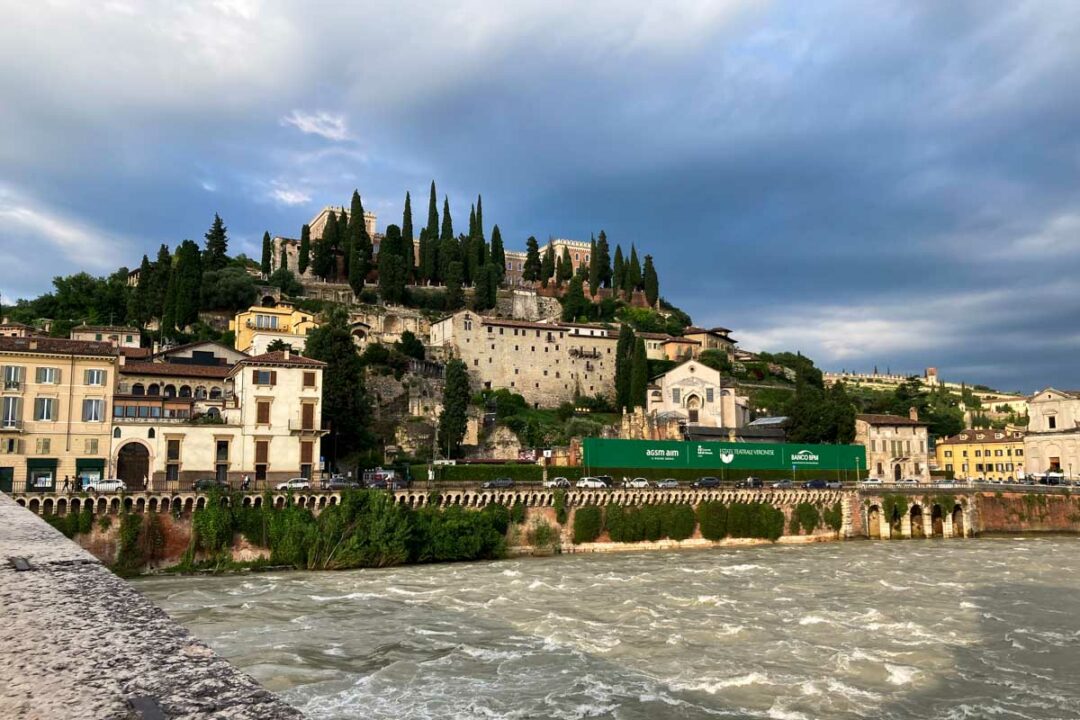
x: 13, y: 377
x: 45, y: 409
x: 11, y: 412
x: 948, y: 467
x: 309, y: 379
x: 51, y: 376
x: 172, y: 451
x: 948, y: 453
x: 998, y: 453
x: 675, y: 395
x: 262, y: 412
x: 43, y: 446
x: 978, y: 453
x: 263, y: 377
x: 94, y: 377
x: 222, y: 451
x: 708, y: 395
x: 1051, y: 422
x: 90, y: 446
x: 1019, y: 451
x: 93, y: 410
x: 266, y: 322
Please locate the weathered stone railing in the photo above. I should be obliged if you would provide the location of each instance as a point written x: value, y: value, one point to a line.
x: 79, y: 642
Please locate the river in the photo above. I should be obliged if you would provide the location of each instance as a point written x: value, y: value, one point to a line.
x: 902, y: 629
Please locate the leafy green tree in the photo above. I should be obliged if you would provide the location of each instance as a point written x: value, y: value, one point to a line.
x: 217, y: 245
x: 140, y: 309
x: 305, y: 248
x: 455, y: 296
x: 618, y: 274
x: 531, y: 271
x: 454, y: 417
x: 228, y: 288
x: 547, y: 265
x: 278, y: 345
x: 603, y: 261
x: 356, y: 271
x: 651, y: 282
x: 472, y: 221
x: 159, y: 284
x: 639, y: 375
x: 345, y: 403
x: 410, y: 345
x: 284, y: 279
x: 498, y: 254
x: 267, y: 254
x: 425, y: 266
x: 574, y: 304
x: 624, y: 359
x: 449, y: 248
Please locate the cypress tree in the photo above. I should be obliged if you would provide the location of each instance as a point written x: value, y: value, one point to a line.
x: 392, y: 277
x: 624, y: 352
x: 161, y: 272
x: 217, y: 245
x: 619, y: 271
x: 565, y: 271
x: 472, y: 221
x: 479, y: 217
x: 651, y: 282
x: 531, y: 271
x: 454, y: 418
x: 423, y: 268
x: 185, y: 286
x: 603, y: 253
x: 547, y: 265
x: 447, y: 222
x: 498, y: 254
x: 267, y: 254
x: 449, y: 252
x: 485, y: 296
x: 305, y: 248
x: 322, y: 260
x: 455, y: 297
x: 594, y: 267
x: 433, y: 215
x: 345, y: 403
x: 356, y: 271
x: 357, y: 234
x: 574, y: 303
x: 639, y: 375
x: 407, y: 249
x: 140, y: 308
x: 632, y: 281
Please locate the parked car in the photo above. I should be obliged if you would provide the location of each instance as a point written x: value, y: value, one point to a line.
x: 105, y: 485
x: 908, y: 481
x: 559, y: 482
x: 638, y: 482
x: 295, y: 484
x: 667, y: 484
x: 834, y: 485
x: 209, y: 484
x: 340, y: 483
x: 871, y: 481
x: 706, y: 482
x: 499, y: 482
x: 750, y: 482
x: 783, y: 485
x: 590, y: 482
x: 607, y: 480
x: 814, y: 485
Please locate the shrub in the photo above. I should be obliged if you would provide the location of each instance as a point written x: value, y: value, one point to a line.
x: 712, y: 519
x: 104, y: 523
x: 542, y: 535
x: 129, y: 556
x: 680, y: 522
x: 560, y: 506
x: 517, y: 513
x: 587, y: 524
x: 834, y: 517
x: 805, y: 518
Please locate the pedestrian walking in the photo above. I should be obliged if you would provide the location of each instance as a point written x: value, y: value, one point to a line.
x: 67, y: 484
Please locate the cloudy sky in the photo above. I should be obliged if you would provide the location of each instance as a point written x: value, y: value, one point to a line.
x: 891, y: 183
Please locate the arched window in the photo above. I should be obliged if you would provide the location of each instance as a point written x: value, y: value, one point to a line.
x: 215, y: 393
x: 213, y: 412
x: 116, y: 433
x: 185, y: 391
x: 150, y: 433
x: 169, y: 391
x: 200, y: 393
x: 138, y: 389
x: 154, y: 390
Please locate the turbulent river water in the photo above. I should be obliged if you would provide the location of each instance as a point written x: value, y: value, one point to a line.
x: 906, y: 629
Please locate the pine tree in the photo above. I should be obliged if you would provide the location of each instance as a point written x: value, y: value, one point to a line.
x: 651, y: 282
x: 479, y: 217
x: 267, y: 254
x: 565, y: 269
x: 498, y: 254
x: 624, y: 356
x: 603, y: 260
x: 392, y: 274
x: 618, y: 275
x: 408, y: 251
x: 305, y: 248
x: 217, y: 245
x: 639, y: 375
x: 632, y: 281
x: 454, y: 418
x: 594, y: 268
x: 547, y: 265
x: 531, y: 271
x: 455, y: 297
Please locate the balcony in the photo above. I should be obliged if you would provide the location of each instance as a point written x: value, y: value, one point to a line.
x: 13, y: 386
x: 11, y: 426
x: 299, y: 426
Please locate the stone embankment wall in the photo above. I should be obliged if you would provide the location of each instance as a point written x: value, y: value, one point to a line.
x: 78, y: 642
x: 1014, y: 512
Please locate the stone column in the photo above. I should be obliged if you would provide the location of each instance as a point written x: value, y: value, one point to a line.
x: 905, y: 525
x: 885, y: 529
x: 946, y: 526
x: 928, y: 524
x: 846, y: 529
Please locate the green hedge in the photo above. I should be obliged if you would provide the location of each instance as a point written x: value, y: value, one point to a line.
x: 712, y: 519
x: 649, y: 522
x: 588, y: 522
x: 740, y: 520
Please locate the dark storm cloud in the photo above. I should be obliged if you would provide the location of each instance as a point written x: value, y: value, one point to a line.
x: 889, y: 183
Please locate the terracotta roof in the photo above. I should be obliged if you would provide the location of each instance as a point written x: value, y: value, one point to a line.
x: 521, y: 324
x: 161, y: 369
x: 695, y: 330
x: 185, y: 346
x: 682, y: 340
x: 282, y: 357
x: 968, y: 437
x: 59, y: 346
x: 888, y: 420
x: 106, y: 328
x: 16, y: 325
x: 139, y: 352
x: 653, y: 336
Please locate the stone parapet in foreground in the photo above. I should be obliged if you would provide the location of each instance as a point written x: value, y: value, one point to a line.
x: 76, y: 641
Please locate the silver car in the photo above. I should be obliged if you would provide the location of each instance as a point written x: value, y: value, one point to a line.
x: 104, y: 485
x: 667, y: 483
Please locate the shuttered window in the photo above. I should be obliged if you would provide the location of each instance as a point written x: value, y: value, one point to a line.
x: 264, y: 377
x: 305, y: 452
x: 262, y: 412
x: 308, y: 417
x: 262, y: 451
x: 309, y: 379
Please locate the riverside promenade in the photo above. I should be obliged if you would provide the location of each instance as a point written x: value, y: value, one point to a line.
x: 78, y: 642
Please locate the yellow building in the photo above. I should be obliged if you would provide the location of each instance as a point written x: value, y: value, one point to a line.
x: 983, y: 454
x: 257, y: 327
x: 54, y: 411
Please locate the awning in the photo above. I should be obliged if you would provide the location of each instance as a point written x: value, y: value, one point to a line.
x: 94, y: 467
x: 41, y: 464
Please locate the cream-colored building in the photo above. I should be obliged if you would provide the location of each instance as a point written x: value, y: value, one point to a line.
x: 119, y: 336
x: 696, y: 394
x: 256, y: 328
x: 983, y: 453
x: 717, y: 338
x: 546, y: 363
x: 259, y: 418
x: 54, y: 411
x: 1052, y: 441
x: 896, y: 446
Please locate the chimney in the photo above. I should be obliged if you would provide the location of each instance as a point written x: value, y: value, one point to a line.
x: 286, y: 353
x: 913, y: 414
